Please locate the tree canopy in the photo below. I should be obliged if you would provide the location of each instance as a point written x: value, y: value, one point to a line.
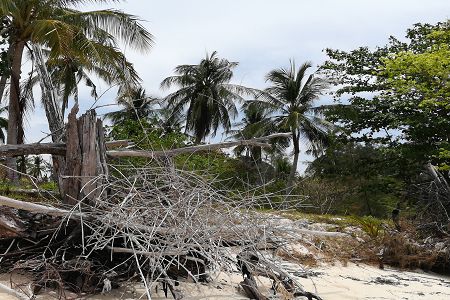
x: 397, y: 94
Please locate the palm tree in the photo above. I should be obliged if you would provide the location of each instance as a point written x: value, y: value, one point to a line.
x: 137, y: 105
x: 36, y: 167
x: 167, y: 121
x: 90, y: 36
x: 206, y: 92
x: 292, y: 99
x: 256, y: 123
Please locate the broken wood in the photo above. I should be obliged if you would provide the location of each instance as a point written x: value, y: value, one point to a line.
x: 251, y: 265
x: 85, y: 161
x: 118, y: 144
x: 207, y: 147
x: 27, y: 149
x: 32, y: 207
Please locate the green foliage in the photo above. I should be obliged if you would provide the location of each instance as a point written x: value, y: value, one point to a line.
x: 75, y: 42
x: 146, y: 136
x: 291, y: 96
x: 206, y: 91
x: 370, y: 225
x: 359, y: 179
x: 396, y: 95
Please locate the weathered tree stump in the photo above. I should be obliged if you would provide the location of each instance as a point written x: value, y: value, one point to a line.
x: 85, y: 161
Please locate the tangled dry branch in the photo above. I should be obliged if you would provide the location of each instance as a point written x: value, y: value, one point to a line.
x: 159, y: 223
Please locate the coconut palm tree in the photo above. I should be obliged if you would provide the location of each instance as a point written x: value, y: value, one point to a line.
x: 137, y: 105
x: 256, y: 123
x: 291, y: 96
x: 90, y: 36
x: 206, y: 91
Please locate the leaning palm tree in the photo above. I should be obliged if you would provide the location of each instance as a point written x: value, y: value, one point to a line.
x: 54, y: 24
x: 292, y: 100
x: 206, y: 91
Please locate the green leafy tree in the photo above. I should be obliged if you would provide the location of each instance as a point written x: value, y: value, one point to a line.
x: 36, y: 167
x: 367, y: 177
x: 65, y: 31
x: 396, y: 95
x: 426, y: 74
x: 291, y: 97
x: 206, y: 91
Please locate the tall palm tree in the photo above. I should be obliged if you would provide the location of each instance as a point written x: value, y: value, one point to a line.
x: 291, y: 96
x: 137, y: 105
x: 54, y: 24
x: 206, y: 91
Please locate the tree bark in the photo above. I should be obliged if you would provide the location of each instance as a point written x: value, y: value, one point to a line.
x: 296, y: 142
x: 36, y: 149
x: 52, y: 111
x: 208, y: 147
x: 5, y: 77
x: 14, y: 108
x: 85, y: 160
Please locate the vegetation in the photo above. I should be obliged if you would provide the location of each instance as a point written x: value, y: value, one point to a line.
x: 73, y: 39
x: 292, y: 98
x: 206, y: 90
x: 390, y: 119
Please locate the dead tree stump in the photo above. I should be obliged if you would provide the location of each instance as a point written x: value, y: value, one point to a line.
x: 85, y: 161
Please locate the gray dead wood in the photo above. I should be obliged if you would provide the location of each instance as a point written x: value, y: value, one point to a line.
x: 208, y: 147
x: 48, y: 148
x: 251, y: 264
x: 251, y: 289
x: 27, y: 149
x: 32, y: 207
x: 118, y: 144
x: 85, y: 161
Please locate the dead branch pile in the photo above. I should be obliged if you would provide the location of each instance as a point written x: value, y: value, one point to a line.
x: 156, y: 224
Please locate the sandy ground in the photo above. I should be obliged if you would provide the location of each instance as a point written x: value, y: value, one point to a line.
x: 330, y: 282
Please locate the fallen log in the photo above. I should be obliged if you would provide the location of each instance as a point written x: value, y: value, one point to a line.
x: 32, y: 207
x: 207, y: 147
x: 27, y: 149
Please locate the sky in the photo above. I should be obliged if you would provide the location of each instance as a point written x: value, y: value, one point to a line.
x: 259, y: 34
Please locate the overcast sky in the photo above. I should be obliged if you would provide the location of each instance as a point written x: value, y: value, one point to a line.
x: 259, y: 34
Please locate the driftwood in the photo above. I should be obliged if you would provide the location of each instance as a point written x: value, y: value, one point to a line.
x: 207, y: 147
x: 32, y: 207
x: 251, y: 265
x: 27, y: 149
x: 49, y: 148
x: 62, y: 149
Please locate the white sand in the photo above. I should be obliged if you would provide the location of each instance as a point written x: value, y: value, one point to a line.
x: 332, y: 282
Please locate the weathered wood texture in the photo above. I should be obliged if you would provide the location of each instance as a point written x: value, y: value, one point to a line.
x: 32, y: 207
x: 27, y: 149
x: 85, y: 162
x: 208, y: 147
x: 49, y: 148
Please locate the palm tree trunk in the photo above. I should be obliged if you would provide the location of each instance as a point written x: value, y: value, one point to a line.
x: 296, y: 142
x: 51, y: 107
x: 5, y: 77
x: 14, y: 108
x: 3, y: 80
